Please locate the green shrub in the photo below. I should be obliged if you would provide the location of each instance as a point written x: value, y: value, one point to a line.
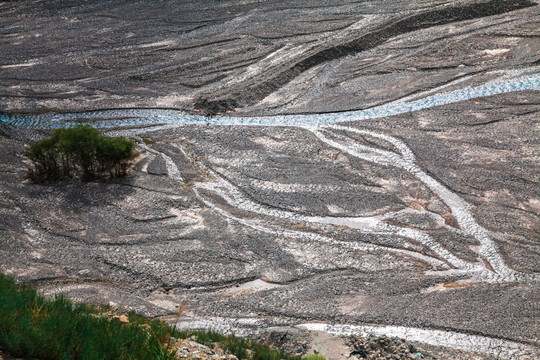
x: 148, y: 141
x: 79, y: 151
x: 314, y: 357
x: 34, y: 327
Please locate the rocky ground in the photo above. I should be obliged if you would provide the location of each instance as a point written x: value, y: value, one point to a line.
x: 422, y: 225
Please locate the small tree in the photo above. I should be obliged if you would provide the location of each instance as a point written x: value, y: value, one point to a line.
x: 44, y: 154
x: 79, y: 145
x: 79, y: 151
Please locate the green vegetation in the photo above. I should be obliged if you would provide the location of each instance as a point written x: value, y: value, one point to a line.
x: 314, y: 357
x: 34, y: 327
x: 148, y: 141
x: 187, y: 182
x: 242, y: 348
x: 80, y: 151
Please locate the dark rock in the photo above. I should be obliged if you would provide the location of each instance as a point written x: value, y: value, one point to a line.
x: 157, y: 166
x: 288, y: 340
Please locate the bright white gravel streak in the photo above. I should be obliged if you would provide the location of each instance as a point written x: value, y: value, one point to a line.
x: 172, y: 169
x: 498, y: 348
x: 236, y: 199
x: 236, y: 326
x: 481, y: 344
x: 336, y: 136
x: 405, y: 160
x: 367, y: 224
x: 332, y: 135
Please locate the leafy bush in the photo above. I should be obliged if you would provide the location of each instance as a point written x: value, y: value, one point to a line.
x: 79, y: 151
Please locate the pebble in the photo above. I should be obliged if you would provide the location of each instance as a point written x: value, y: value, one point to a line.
x: 189, y: 349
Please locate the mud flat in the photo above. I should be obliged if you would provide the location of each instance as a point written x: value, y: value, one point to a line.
x: 368, y: 168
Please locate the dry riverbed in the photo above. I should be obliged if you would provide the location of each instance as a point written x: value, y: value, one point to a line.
x: 355, y: 181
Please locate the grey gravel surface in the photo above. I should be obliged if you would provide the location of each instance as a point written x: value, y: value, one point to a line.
x: 287, y: 224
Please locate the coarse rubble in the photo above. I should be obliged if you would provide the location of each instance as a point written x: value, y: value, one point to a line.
x: 190, y: 349
x: 383, y: 347
x: 286, y: 339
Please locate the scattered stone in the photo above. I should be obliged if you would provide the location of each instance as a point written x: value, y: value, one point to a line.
x: 288, y: 340
x: 378, y: 348
x: 157, y: 167
x: 122, y: 318
x: 189, y: 349
x: 113, y: 305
